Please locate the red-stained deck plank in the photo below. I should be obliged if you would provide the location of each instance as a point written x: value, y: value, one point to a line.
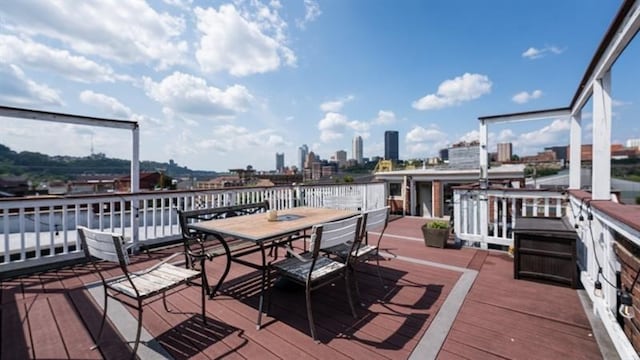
x: 47, y: 339
x: 511, y: 318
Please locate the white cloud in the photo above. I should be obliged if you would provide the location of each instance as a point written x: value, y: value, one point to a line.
x: 17, y: 89
x: 114, y: 108
x: 422, y: 142
x: 506, y: 135
x: 126, y: 31
x: 106, y: 104
x: 334, y: 125
x: 181, y: 93
x: 312, y: 11
x: 617, y: 103
x: 182, y: 4
x: 534, y: 53
x: 335, y: 105
x: 455, y: 91
x: 231, y: 138
x: 242, y: 41
x: 524, y: 97
x: 473, y: 135
x: 420, y: 134
x: 547, y: 134
x: 385, y: 118
x: 27, y: 52
x: 556, y: 133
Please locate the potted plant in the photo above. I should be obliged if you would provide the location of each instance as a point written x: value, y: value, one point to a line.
x: 436, y: 233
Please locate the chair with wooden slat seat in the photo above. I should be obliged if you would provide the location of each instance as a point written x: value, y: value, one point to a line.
x: 313, y: 270
x: 138, y: 285
x: 377, y: 219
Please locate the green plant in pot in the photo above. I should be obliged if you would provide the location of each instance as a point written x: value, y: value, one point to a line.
x: 436, y: 233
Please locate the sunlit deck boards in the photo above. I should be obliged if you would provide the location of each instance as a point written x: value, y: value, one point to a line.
x: 52, y: 315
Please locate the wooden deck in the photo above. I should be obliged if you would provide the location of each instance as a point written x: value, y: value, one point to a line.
x: 53, y: 315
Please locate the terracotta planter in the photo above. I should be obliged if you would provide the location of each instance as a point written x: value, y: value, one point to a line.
x: 435, y: 237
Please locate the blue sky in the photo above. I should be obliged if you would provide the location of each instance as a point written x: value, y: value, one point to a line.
x: 218, y: 85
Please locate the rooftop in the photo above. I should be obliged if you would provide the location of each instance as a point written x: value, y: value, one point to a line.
x: 440, y: 303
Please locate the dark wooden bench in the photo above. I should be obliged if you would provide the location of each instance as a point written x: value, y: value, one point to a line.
x: 198, y: 244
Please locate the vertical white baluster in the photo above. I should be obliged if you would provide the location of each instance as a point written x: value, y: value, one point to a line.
x: 23, y: 253
x: 6, y: 217
x: 36, y: 229
x: 504, y: 217
x: 546, y: 207
x: 52, y: 227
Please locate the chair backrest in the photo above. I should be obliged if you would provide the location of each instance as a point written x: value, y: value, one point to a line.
x: 376, y: 219
x: 103, y: 245
x: 335, y: 233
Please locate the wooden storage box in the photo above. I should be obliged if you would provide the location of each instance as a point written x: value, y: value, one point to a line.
x: 545, y: 249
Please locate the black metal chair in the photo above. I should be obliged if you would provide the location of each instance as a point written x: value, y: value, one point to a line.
x: 138, y: 285
x: 378, y: 220
x: 313, y: 270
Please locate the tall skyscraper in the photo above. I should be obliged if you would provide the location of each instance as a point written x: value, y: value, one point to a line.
x: 341, y: 157
x: 505, y: 150
x: 391, y: 145
x: 280, y: 162
x: 302, y: 156
x: 357, y: 149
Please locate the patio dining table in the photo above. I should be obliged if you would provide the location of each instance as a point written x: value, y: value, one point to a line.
x: 266, y: 234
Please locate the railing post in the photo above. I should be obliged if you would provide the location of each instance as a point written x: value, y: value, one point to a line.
x: 601, y: 168
x: 457, y: 228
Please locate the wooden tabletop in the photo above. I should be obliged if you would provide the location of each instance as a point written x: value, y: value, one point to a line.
x: 257, y: 228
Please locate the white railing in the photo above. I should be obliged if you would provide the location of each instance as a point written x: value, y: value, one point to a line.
x: 41, y: 230
x: 597, y: 232
x: 498, y: 217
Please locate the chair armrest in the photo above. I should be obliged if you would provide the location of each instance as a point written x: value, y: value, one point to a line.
x: 291, y: 252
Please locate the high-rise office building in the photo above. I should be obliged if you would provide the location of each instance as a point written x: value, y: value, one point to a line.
x: 341, y: 158
x: 505, y: 151
x: 302, y: 156
x: 391, y: 145
x: 280, y: 162
x: 357, y: 149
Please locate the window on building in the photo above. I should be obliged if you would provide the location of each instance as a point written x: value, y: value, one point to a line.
x: 395, y: 189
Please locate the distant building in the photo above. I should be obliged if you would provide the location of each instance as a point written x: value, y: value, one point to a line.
x: 148, y: 181
x: 465, y: 155
x: 14, y: 186
x: 546, y: 156
x: 302, y: 156
x: 617, y: 152
x: 505, y: 152
x: 357, y: 149
x: 391, y: 145
x: 328, y: 170
x: 444, y: 154
x: 316, y: 171
x: 561, y: 153
x: 308, y: 162
x: 220, y: 182
x: 280, y: 162
x: 633, y: 143
x: 341, y: 158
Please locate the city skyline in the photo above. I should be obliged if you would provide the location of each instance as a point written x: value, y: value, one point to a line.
x: 219, y: 85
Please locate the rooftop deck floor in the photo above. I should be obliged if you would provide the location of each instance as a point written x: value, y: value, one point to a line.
x: 54, y: 315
